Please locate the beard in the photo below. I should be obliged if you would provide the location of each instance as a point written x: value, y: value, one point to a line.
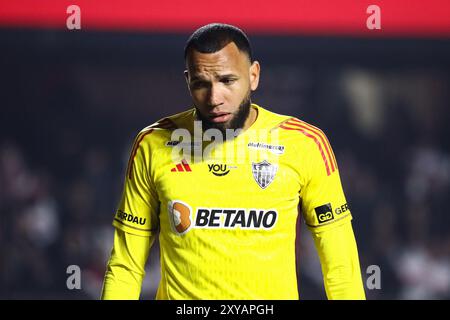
x: 235, y: 123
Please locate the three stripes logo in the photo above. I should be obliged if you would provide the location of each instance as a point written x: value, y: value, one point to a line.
x: 318, y: 137
x: 182, y: 167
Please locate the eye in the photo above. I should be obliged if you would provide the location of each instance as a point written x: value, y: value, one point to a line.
x: 199, y: 85
x: 228, y: 81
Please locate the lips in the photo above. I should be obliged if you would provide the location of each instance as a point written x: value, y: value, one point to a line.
x: 220, y: 117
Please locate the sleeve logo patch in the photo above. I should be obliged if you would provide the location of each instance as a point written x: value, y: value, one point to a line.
x: 123, y: 216
x: 324, y: 213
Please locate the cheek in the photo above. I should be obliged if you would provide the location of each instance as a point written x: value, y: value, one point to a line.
x: 240, y: 92
x: 199, y: 95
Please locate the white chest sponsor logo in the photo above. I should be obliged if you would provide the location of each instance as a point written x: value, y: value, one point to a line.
x: 182, y: 220
x: 233, y: 218
x: 275, y: 149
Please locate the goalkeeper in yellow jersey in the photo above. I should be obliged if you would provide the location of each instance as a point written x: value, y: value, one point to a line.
x: 220, y: 185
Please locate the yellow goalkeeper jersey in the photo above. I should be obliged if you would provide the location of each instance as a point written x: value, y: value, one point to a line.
x: 226, y: 211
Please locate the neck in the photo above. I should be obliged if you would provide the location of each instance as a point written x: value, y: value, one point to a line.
x: 252, y: 116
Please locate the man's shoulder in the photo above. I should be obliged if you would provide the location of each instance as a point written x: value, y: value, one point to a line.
x: 170, y: 123
x: 276, y: 120
x: 159, y: 132
x: 269, y: 118
x: 178, y: 120
x: 295, y: 128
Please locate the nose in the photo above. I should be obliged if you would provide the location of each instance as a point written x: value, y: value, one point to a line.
x: 215, y: 98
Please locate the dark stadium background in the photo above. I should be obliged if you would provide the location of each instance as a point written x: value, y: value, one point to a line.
x: 72, y: 101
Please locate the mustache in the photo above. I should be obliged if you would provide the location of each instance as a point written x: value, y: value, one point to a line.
x: 236, y: 122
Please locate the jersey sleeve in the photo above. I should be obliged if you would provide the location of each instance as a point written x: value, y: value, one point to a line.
x: 323, y: 202
x: 126, y: 266
x: 338, y: 254
x: 138, y: 209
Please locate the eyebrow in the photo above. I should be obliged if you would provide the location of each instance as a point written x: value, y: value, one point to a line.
x: 222, y: 76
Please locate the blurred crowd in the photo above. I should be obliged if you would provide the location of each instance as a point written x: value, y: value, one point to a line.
x: 62, y: 166
x: 393, y: 153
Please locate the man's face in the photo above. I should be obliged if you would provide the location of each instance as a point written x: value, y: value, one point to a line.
x: 220, y: 84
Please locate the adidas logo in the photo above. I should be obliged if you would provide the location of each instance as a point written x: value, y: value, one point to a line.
x: 182, y: 167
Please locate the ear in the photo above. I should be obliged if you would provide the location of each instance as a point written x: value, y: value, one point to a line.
x: 186, y: 76
x: 254, y: 75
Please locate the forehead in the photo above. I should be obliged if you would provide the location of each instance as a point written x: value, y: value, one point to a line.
x: 229, y: 58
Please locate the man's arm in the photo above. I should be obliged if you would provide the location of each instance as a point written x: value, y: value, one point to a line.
x: 126, y: 266
x: 326, y: 212
x: 136, y: 223
x: 338, y: 255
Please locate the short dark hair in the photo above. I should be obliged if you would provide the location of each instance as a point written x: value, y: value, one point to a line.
x: 214, y: 36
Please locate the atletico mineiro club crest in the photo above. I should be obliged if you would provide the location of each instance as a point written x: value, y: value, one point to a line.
x: 264, y: 173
